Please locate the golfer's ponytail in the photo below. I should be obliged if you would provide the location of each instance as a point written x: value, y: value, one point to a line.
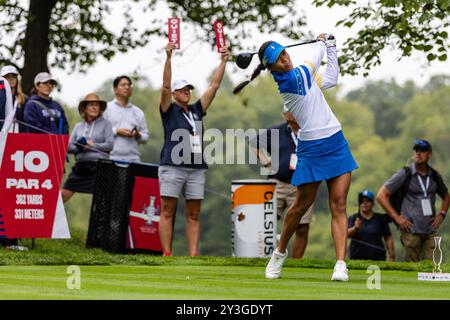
x: 257, y: 71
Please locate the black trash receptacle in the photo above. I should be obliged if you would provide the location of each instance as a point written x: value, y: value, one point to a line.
x: 110, y: 206
x: 109, y: 225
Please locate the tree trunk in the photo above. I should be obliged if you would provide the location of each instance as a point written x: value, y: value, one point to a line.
x: 37, y: 41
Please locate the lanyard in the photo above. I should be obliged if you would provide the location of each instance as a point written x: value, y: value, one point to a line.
x: 424, y: 188
x: 85, y: 131
x: 294, y: 138
x: 191, y: 121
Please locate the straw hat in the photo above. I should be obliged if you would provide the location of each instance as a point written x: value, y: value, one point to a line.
x: 90, y: 98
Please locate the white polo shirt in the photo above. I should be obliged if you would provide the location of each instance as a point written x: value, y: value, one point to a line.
x: 301, y: 87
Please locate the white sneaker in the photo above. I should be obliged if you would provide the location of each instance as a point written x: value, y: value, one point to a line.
x: 340, y: 272
x: 273, y: 269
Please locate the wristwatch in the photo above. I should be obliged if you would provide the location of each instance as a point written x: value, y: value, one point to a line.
x: 443, y: 213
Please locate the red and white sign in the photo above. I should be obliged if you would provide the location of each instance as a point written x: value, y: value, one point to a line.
x: 31, y: 169
x: 174, y: 31
x: 220, y: 35
x: 143, y: 231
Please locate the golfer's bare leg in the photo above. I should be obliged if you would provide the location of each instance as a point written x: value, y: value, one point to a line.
x: 337, y: 191
x: 306, y: 194
x: 193, y: 225
x: 168, y: 208
x: 300, y: 241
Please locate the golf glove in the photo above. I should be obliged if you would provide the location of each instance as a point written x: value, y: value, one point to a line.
x: 330, y: 41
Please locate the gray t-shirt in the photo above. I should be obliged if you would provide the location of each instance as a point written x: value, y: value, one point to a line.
x: 411, y: 205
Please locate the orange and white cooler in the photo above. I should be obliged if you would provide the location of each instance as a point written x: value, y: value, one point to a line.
x: 254, y: 218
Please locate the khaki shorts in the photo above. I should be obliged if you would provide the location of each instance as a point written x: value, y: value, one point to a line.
x: 286, y: 197
x: 417, y: 246
x: 174, y: 181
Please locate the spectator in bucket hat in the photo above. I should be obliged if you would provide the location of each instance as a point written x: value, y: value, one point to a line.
x: 91, y: 139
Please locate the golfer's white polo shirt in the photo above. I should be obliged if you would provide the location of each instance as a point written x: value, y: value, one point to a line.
x: 303, y: 97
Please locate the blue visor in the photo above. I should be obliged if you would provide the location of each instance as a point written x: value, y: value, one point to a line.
x: 271, y: 53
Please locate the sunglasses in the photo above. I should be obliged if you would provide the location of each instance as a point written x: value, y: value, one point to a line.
x: 184, y: 90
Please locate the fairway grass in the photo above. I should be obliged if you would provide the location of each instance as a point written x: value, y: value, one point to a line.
x: 198, y: 282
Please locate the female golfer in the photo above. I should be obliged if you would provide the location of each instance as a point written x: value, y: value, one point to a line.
x: 323, y: 152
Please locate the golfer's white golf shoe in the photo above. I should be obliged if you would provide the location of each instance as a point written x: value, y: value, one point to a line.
x: 273, y: 269
x: 340, y: 272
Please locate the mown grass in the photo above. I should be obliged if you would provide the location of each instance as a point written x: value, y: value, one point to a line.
x: 41, y: 273
x: 74, y: 252
x: 209, y: 282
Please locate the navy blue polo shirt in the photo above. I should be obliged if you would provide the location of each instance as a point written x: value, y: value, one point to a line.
x: 367, y: 243
x: 173, y: 120
x: 286, y: 148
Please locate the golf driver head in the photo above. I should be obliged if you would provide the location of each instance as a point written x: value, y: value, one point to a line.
x: 243, y: 59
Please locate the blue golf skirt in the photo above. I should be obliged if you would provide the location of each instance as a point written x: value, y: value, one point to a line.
x: 323, y: 159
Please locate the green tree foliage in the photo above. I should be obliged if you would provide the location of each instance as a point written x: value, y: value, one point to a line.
x: 386, y: 100
x: 74, y: 34
x: 427, y: 117
x: 409, y: 26
x: 436, y: 82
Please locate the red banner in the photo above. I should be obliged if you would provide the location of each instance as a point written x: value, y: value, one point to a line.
x: 220, y: 35
x: 174, y: 31
x: 143, y: 231
x: 31, y: 169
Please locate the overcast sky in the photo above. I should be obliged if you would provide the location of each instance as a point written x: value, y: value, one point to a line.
x: 199, y: 60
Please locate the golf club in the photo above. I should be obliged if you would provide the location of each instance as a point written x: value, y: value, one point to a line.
x: 243, y: 59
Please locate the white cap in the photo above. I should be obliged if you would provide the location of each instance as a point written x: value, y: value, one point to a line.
x: 43, y: 77
x: 7, y: 70
x: 180, y: 84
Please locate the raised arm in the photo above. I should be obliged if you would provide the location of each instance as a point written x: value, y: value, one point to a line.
x: 209, y: 94
x: 166, y: 91
x: 312, y: 65
x: 330, y: 78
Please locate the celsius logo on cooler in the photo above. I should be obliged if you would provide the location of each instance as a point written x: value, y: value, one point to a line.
x: 253, y: 218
